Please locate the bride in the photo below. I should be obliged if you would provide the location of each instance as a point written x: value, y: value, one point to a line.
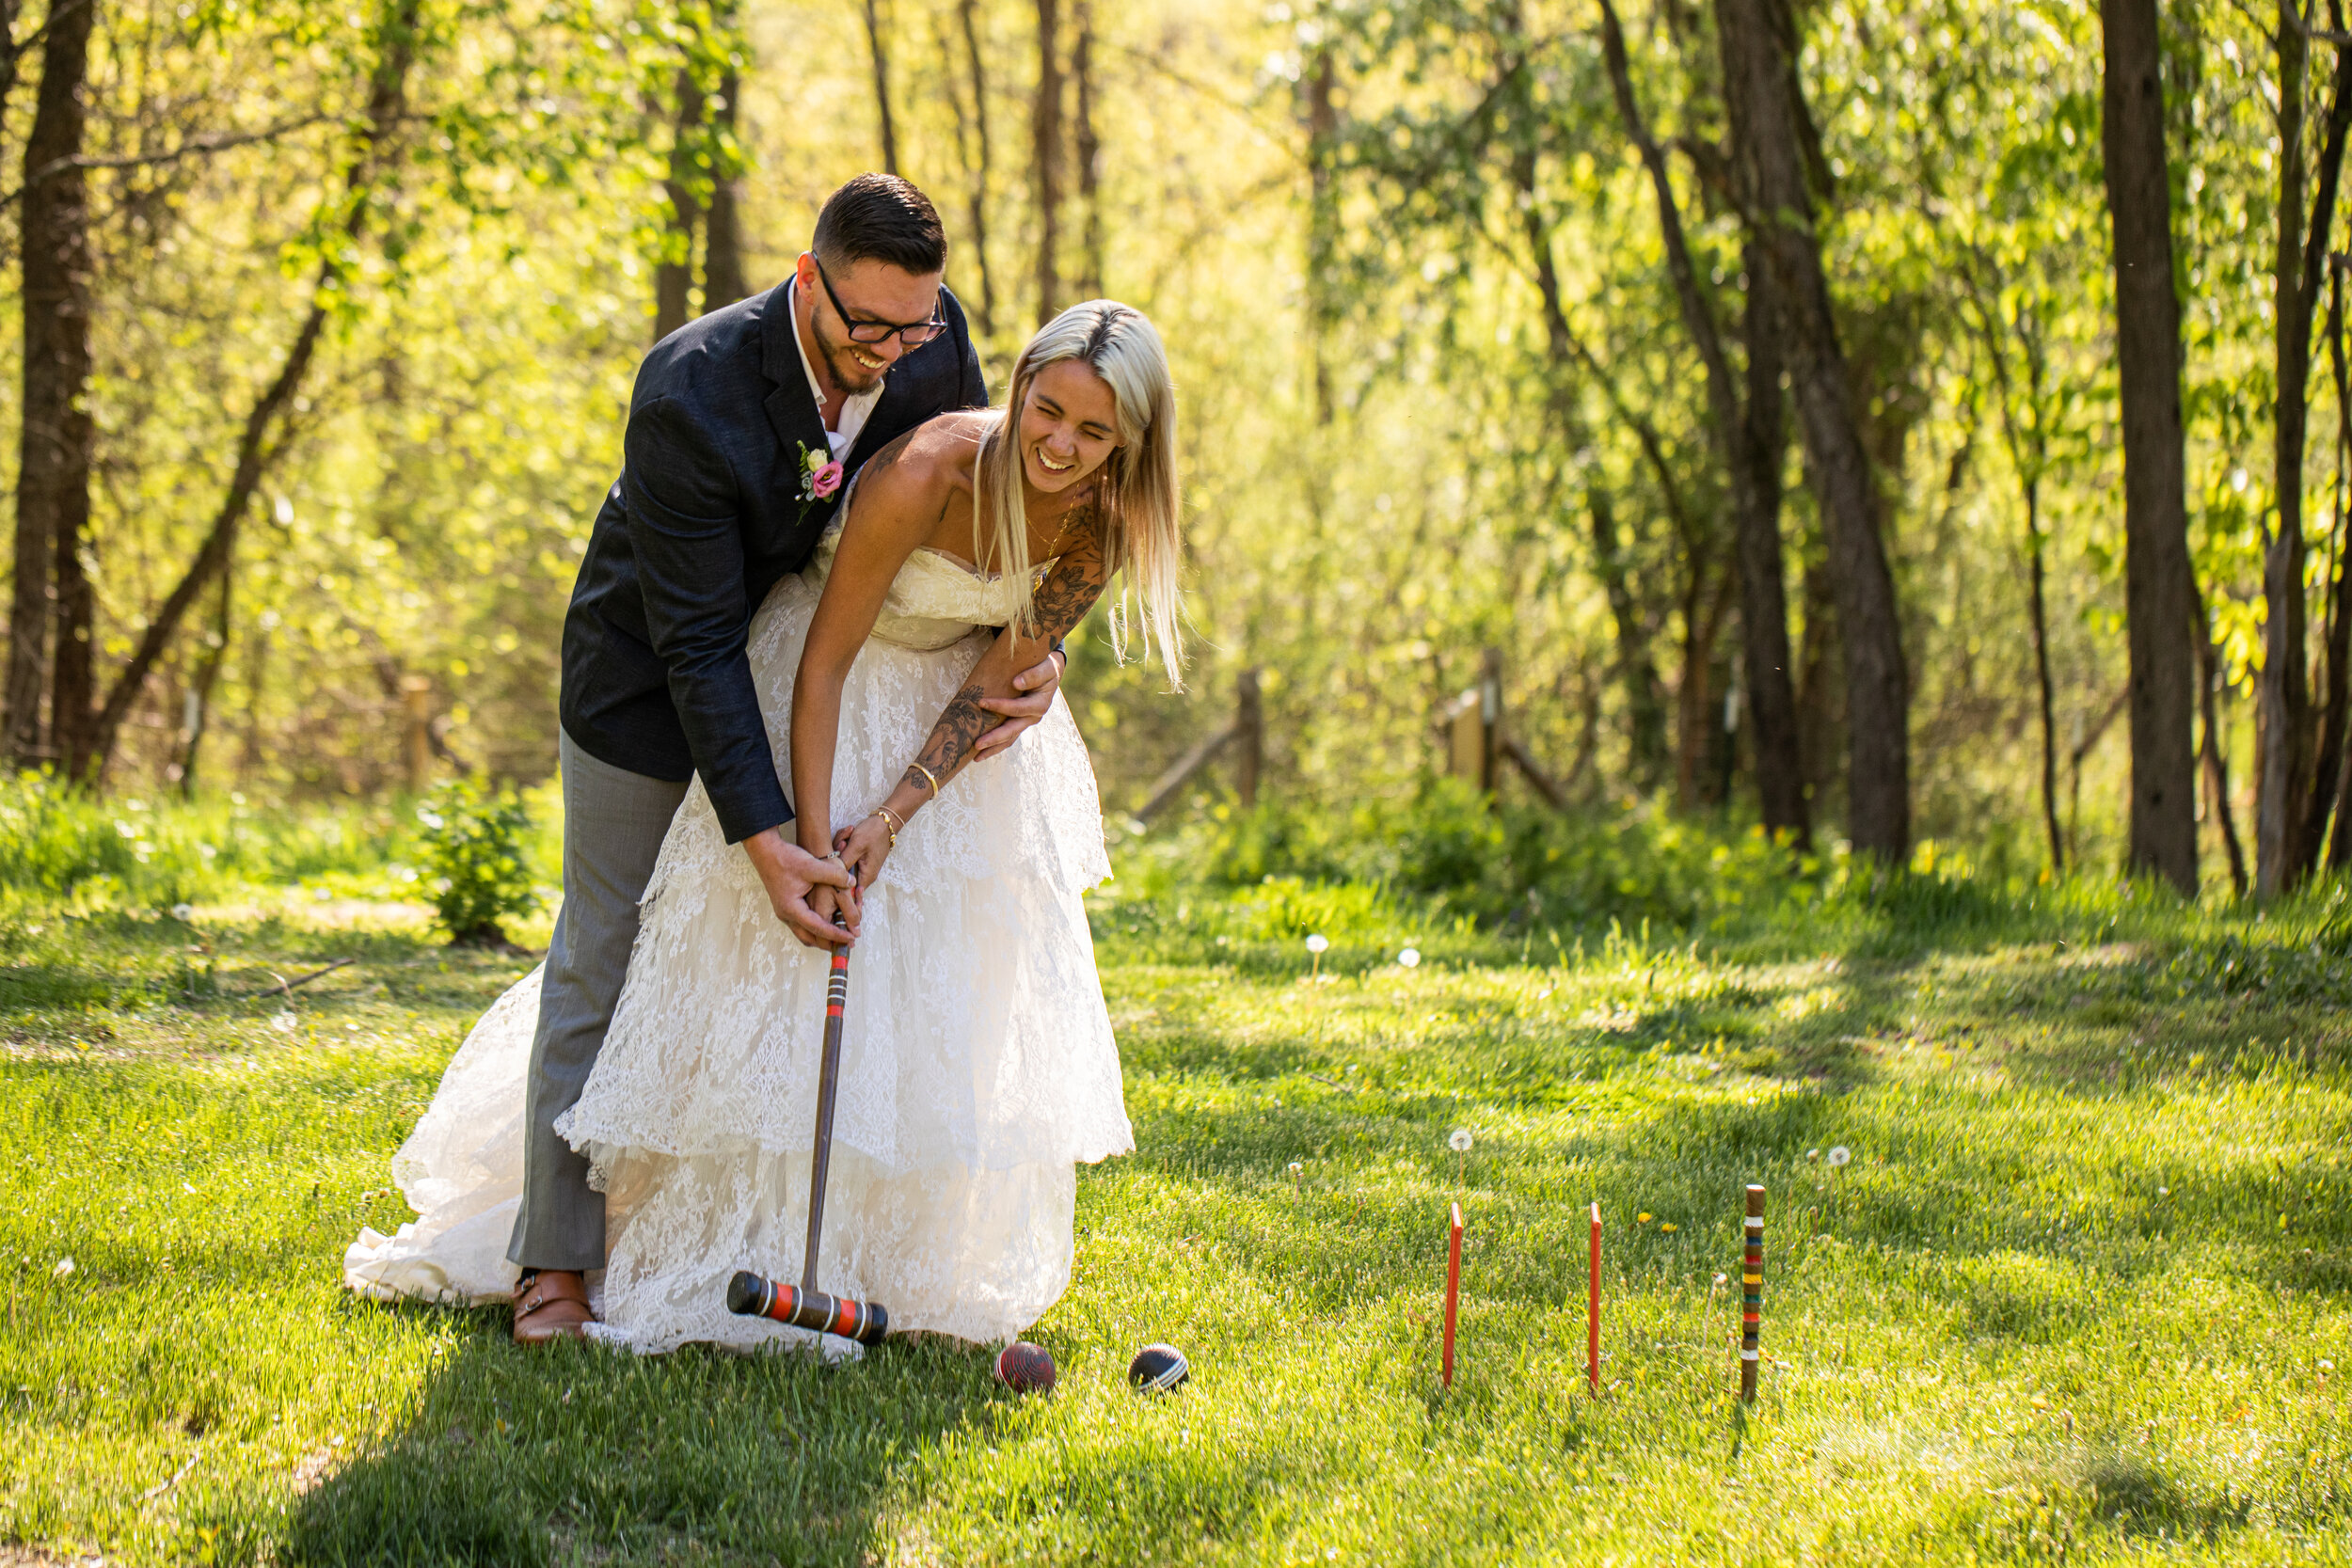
x: 977, y: 1066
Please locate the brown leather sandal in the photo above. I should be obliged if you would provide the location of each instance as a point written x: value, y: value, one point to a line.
x: 550, y: 1304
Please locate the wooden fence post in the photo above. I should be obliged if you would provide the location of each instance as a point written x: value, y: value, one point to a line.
x: 1247, y: 729
x: 1489, y: 720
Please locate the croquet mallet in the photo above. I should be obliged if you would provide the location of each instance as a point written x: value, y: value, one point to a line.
x: 805, y: 1306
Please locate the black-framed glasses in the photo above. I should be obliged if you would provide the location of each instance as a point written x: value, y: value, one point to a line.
x: 913, y: 334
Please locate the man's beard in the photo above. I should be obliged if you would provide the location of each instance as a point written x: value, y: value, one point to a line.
x: 848, y: 374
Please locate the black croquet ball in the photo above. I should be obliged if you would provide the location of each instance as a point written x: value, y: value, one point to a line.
x: 1025, y: 1367
x: 1158, y: 1368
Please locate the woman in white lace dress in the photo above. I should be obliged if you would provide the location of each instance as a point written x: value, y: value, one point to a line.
x: 978, y: 1067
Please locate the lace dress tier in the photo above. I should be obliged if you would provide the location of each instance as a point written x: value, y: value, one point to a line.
x: 977, y: 1063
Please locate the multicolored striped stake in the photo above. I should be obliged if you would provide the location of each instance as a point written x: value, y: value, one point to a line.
x: 1453, y: 1291
x: 1751, y: 1293
x: 1592, y: 1313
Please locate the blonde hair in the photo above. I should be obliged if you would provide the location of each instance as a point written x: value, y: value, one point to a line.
x: 1141, y: 498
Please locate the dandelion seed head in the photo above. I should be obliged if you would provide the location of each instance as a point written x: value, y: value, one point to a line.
x: 1812, y: 1153
x: 1840, y: 1155
x: 1460, y: 1142
x: 65, y: 1267
x: 1318, y: 942
x: 1410, y: 957
x: 282, y: 1023
x: 183, y: 912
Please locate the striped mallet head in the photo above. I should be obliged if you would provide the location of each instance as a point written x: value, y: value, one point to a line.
x: 749, y: 1296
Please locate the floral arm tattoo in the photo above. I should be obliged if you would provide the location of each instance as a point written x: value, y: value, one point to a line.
x: 1062, y: 601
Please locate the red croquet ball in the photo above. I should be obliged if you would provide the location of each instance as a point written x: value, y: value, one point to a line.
x: 1025, y: 1367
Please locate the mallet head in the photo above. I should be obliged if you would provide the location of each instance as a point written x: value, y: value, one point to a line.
x: 749, y: 1296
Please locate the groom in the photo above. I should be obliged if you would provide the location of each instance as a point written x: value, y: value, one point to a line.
x: 724, y: 490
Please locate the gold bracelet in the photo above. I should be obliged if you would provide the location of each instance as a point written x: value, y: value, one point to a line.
x: 895, y: 820
x: 927, y: 778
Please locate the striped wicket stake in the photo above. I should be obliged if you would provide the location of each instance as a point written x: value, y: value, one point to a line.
x: 1751, y: 1293
x: 1453, y: 1290
x: 1592, y: 1313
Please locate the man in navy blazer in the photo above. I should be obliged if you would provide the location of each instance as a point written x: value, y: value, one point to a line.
x: 730, y: 415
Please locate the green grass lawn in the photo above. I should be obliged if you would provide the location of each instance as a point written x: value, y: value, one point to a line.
x: 2081, y: 1293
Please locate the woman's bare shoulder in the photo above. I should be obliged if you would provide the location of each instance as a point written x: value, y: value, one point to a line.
x: 916, y: 473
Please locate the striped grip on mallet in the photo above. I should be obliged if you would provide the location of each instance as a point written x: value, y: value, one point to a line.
x: 838, y: 983
x: 1751, y: 1295
x: 749, y: 1296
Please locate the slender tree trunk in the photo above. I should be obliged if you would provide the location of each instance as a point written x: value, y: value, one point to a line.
x: 1088, y: 149
x: 2214, y: 760
x: 976, y: 199
x: 881, y: 86
x: 1755, y: 498
x: 256, y: 452
x: 673, y: 280
x: 2037, y: 604
x: 56, y: 434
x: 1323, y: 224
x: 2159, y: 587
x: 201, y: 693
x: 724, y: 280
x: 1045, y: 162
x: 1763, y: 95
x: 1645, y: 699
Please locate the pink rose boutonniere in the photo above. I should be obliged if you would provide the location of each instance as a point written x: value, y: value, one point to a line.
x: 820, y: 478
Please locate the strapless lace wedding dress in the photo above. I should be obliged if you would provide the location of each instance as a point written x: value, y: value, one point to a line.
x: 977, y: 1063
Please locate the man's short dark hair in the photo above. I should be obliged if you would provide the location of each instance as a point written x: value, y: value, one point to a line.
x: 881, y: 218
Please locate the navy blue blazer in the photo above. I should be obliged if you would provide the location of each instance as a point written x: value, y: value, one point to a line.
x: 705, y: 518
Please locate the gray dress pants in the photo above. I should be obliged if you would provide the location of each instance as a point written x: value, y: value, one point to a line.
x: 613, y: 824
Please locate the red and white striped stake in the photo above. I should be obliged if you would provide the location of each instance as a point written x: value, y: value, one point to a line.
x: 1592, y: 1313
x: 1751, y: 1293
x: 1453, y: 1291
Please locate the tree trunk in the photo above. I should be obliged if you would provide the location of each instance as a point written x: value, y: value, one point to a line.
x: 387, y: 105
x: 975, y: 197
x: 1045, y: 162
x: 1089, y: 151
x: 56, y: 434
x: 673, y: 280
x: 1763, y: 592
x: 2314, y: 792
x: 724, y: 280
x: 1763, y: 95
x: 881, y: 86
x: 1754, y: 493
x: 2159, y: 587
x: 2327, y: 761
x: 2282, y: 769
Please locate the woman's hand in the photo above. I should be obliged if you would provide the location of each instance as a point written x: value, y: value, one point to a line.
x: 863, y: 849
x: 835, y: 907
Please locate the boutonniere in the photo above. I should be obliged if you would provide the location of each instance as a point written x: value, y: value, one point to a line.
x: 821, y: 477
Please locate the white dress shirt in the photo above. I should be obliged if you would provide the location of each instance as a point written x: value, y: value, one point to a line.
x: 842, y: 435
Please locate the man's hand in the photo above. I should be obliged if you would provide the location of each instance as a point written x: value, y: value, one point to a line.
x: 1037, y: 685
x: 790, y: 873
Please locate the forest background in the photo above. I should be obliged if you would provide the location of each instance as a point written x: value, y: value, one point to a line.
x: 1499, y: 324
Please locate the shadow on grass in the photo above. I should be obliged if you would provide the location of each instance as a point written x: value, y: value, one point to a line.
x: 580, y: 1453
